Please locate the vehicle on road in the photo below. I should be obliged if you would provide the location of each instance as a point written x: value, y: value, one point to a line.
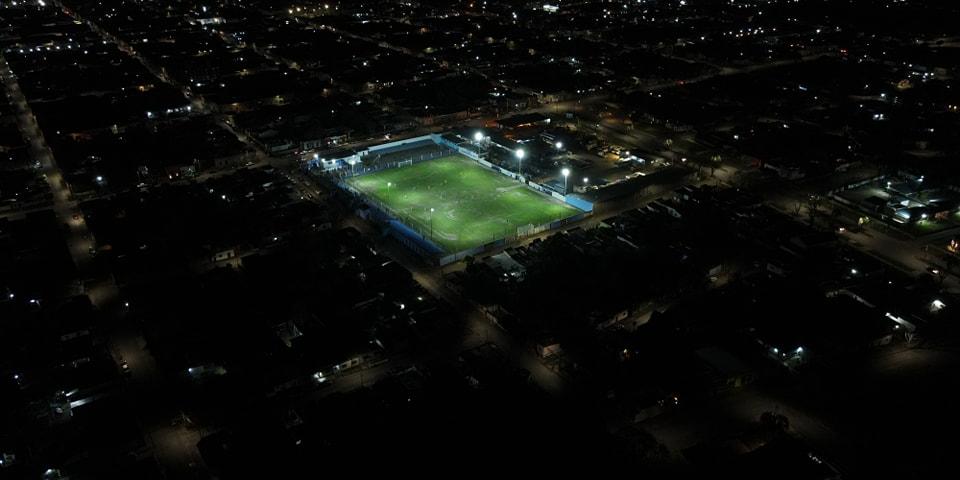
x: 935, y: 270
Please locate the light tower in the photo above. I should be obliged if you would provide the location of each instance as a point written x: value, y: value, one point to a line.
x: 566, y: 173
x: 520, y: 154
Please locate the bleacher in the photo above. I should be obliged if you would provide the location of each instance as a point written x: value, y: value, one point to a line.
x: 393, y: 156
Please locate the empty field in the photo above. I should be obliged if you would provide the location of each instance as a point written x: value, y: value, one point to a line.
x: 471, y: 205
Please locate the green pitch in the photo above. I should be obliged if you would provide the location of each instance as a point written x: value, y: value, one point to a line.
x: 472, y: 205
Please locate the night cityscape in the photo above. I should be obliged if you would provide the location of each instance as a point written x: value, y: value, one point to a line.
x: 644, y: 238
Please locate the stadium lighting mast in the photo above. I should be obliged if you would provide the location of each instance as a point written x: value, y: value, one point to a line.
x: 431, y: 223
x: 566, y: 173
x: 520, y: 154
x: 478, y: 137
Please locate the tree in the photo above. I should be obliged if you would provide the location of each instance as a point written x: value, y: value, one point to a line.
x: 715, y: 160
x: 775, y: 422
x: 813, y: 207
x: 951, y: 262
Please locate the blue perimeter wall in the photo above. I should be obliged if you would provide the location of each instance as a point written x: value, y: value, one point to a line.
x: 412, y: 236
x: 579, y: 203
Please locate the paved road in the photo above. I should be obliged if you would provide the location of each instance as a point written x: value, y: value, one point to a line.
x: 733, y: 71
x: 908, y: 255
x: 79, y: 238
x: 173, y: 443
x: 478, y: 328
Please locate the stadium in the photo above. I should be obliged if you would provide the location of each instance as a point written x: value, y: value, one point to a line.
x: 439, y: 195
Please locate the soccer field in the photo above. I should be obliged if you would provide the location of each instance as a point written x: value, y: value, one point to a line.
x: 472, y: 205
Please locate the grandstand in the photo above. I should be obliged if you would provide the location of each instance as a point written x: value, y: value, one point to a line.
x: 400, y: 156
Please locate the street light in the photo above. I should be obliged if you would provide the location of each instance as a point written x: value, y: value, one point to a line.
x: 566, y: 173
x: 559, y: 145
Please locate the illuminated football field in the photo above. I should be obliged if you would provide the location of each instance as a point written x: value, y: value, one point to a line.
x: 472, y: 205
